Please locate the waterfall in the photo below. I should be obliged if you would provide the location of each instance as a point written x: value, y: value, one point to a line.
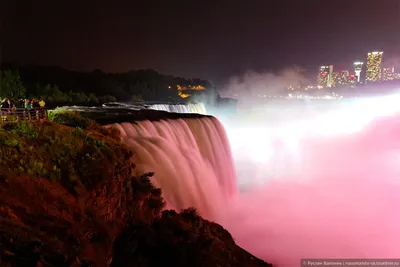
x: 191, y: 160
x: 333, y: 196
x: 189, y: 108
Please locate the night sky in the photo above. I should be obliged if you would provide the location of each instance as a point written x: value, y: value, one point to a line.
x: 211, y: 39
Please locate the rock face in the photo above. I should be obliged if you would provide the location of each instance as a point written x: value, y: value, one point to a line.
x: 180, y: 240
x: 42, y: 224
x: 71, y: 197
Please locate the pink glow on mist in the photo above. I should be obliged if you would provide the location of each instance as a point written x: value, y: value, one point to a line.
x: 325, y: 195
x: 342, y: 202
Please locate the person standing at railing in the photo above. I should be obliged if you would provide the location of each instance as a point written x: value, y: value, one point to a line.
x: 19, y: 108
x: 35, y: 103
x: 42, y: 112
x: 4, y: 109
x: 42, y: 103
x: 28, y: 105
x: 12, y: 104
x: 20, y: 104
x: 5, y: 104
x: 36, y: 107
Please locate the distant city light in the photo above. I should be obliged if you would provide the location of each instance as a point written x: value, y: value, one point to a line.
x: 344, y: 78
x: 327, y: 78
x: 188, y: 88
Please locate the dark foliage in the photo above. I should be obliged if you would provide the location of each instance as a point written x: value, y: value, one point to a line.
x: 70, y: 156
x: 62, y: 86
x: 68, y: 118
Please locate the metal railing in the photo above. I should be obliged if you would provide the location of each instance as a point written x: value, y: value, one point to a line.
x: 18, y: 114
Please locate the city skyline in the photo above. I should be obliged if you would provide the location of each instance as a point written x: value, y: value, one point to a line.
x: 374, y: 69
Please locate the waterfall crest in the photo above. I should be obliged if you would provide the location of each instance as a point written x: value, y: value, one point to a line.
x: 189, y: 108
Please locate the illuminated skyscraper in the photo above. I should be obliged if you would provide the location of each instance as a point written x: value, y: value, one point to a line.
x: 336, y: 79
x: 357, y: 69
x: 352, y: 80
x: 330, y: 76
x: 388, y: 74
x: 374, y: 63
x: 325, y: 76
x: 344, y: 79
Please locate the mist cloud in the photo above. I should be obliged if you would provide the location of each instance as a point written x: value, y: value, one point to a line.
x: 267, y: 83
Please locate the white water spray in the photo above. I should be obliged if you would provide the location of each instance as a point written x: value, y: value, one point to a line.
x: 189, y: 108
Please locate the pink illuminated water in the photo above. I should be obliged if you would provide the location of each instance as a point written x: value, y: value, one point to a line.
x: 334, y: 196
x: 186, y: 156
x: 342, y: 202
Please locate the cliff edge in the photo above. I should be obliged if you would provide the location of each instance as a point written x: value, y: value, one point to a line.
x: 71, y: 197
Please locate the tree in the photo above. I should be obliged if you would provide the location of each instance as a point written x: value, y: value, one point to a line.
x: 11, y: 85
x: 107, y: 99
x: 92, y: 98
x: 78, y: 97
x: 137, y: 99
x: 52, y: 94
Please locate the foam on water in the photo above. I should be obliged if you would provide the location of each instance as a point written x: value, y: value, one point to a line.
x: 198, y: 108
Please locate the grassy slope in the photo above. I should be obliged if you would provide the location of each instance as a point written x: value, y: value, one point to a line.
x: 69, y: 197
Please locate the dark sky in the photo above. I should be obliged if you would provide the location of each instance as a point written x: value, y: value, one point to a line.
x: 211, y: 39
